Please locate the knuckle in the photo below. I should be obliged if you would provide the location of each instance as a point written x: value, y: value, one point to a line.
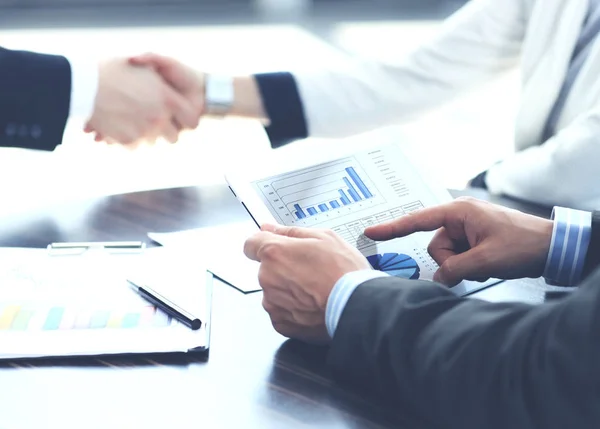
x: 330, y: 233
x: 466, y: 200
x: 270, y: 251
x: 155, y: 119
x: 265, y: 279
x: 447, y: 267
x: 293, y: 231
x: 280, y: 328
x: 164, y: 96
x: 268, y: 306
x: 127, y: 138
x: 431, y: 248
x: 484, y: 258
x: 248, y: 244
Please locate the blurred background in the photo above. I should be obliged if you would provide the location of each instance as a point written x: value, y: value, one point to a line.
x: 455, y: 142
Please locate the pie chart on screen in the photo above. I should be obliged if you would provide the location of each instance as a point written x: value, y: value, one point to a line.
x: 396, y: 264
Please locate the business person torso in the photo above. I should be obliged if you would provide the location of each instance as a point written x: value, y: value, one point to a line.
x: 35, y: 95
x: 481, y: 41
x: 471, y: 364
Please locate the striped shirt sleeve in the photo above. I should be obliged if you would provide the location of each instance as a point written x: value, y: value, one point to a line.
x: 341, y: 292
x: 569, y: 245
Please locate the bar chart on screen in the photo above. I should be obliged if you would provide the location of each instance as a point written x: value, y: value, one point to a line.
x: 320, y: 193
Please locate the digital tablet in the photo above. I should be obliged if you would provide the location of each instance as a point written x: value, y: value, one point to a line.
x: 347, y: 192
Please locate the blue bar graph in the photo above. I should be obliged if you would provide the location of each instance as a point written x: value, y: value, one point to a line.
x: 338, y: 186
x: 359, y: 183
x: 345, y: 200
x: 299, y: 212
x: 354, y: 195
x: 351, y: 190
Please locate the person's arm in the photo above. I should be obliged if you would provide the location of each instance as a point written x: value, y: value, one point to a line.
x: 457, y: 362
x: 557, y: 172
x: 472, y: 364
x: 35, y: 93
x: 481, y: 40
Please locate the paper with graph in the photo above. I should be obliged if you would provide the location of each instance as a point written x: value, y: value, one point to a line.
x: 353, y: 192
x: 65, y: 306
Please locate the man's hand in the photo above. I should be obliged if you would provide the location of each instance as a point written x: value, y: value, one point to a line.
x: 184, y: 79
x: 476, y: 240
x: 191, y: 83
x: 134, y: 103
x: 298, y: 270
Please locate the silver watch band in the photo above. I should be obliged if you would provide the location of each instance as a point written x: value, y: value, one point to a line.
x: 219, y: 94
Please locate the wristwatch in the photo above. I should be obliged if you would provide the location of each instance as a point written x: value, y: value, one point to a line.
x: 219, y: 94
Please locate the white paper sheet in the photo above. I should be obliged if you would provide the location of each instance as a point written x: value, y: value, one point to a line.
x: 82, y: 305
x: 221, y: 250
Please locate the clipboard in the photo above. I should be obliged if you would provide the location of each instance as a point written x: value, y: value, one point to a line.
x: 74, y: 301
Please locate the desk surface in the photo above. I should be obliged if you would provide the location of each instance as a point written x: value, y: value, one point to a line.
x: 254, y: 378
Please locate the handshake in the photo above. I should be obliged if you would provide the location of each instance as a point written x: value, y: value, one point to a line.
x: 145, y: 98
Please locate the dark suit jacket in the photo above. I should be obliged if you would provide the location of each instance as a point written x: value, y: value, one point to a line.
x: 469, y: 364
x: 35, y: 96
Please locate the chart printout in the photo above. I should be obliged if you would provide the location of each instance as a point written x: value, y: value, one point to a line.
x: 354, y: 192
x: 76, y: 305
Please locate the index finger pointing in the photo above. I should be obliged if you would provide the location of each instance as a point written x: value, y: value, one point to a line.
x: 428, y: 219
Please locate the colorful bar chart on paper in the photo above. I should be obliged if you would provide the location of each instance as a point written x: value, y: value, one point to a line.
x: 312, y: 192
x: 25, y: 318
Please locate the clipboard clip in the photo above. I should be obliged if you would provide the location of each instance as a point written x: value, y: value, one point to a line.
x: 78, y: 248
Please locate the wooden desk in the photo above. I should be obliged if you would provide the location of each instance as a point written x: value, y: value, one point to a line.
x: 253, y: 378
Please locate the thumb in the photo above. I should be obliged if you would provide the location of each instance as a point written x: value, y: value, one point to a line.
x: 291, y: 231
x: 148, y: 59
x: 163, y: 65
x: 463, y: 266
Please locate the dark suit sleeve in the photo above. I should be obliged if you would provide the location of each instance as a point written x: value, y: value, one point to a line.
x: 283, y: 105
x: 35, y: 96
x: 592, y: 259
x: 470, y: 364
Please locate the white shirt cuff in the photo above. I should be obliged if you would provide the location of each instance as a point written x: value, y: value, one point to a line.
x: 84, y: 85
x: 341, y: 292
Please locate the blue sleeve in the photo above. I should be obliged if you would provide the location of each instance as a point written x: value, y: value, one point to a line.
x: 568, y: 249
x: 341, y: 292
x: 35, y: 96
x: 283, y: 105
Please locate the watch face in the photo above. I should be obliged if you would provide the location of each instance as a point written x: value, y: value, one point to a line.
x: 219, y: 94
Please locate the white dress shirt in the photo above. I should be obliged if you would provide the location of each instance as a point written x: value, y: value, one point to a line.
x: 84, y: 85
x: 483, y: 40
